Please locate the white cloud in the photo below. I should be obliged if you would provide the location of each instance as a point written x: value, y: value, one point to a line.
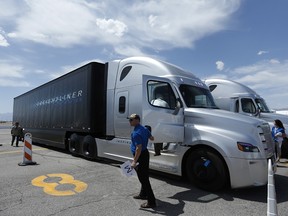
x: 10, y: 9
x: 261, y: 52
x: 267, y: 78
x: 11, y: 75
x: 7, y: 69
x: 114, y: 27
x: 274, y: 61
x: 220, y: 65
x: 13, y: 83
x: 152, y: 20
x: 129, y: 50
x: 3, y: 41
x: 55, y: 23
x: 146, y: 24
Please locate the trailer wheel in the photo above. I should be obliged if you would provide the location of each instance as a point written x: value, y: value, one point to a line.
x: 74, y: 143
x: 206, y: 170
x: 89, y: 148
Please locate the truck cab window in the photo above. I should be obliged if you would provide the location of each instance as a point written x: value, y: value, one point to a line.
x: 262, y: 105
x: 212, y: 87
x: 125, y: 72
x: 248, y: 105
x: 160, y: 94
x: 197, y: 97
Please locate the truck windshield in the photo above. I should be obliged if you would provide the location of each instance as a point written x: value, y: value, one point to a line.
x: 262, y: 105
x: 196, y: 97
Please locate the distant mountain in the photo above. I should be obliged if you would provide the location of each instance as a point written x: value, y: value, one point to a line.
x: 6, y: 116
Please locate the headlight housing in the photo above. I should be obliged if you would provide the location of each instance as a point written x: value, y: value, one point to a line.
x: 247, y: 147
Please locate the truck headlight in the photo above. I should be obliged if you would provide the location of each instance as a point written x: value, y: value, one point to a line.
x: 247, y: 147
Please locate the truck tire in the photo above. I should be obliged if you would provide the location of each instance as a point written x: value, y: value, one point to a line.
x: 89, y: 149
x: 74, y: 144
x: 206, y: 170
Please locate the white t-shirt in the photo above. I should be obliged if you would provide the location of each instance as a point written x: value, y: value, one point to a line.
x: 159, y: 102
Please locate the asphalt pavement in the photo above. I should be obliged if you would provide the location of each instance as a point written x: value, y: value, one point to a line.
x: 61, y: 184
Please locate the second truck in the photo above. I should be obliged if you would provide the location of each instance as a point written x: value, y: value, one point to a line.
x: 237, y: 97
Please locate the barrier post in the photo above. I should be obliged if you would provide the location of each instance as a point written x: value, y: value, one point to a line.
x: 27, y: 158
x: 271, y: 193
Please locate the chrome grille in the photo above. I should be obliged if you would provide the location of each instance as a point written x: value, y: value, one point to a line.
x: 268, y: 141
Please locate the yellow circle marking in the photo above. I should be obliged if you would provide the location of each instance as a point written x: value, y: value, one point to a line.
x: 50, y: 188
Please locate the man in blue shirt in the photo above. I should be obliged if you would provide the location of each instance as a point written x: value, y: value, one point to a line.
x: 139, y: 141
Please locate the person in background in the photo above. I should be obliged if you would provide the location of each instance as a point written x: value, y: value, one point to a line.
x: 278, y: 133
x: 139, y: 140
x: 160, y: 102
x: 17, y: 133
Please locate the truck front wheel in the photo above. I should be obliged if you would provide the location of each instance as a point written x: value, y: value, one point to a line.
x: 206, y: 170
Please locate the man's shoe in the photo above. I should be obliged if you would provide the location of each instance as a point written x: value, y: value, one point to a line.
x: 140, y: 197
x: 147, y: 205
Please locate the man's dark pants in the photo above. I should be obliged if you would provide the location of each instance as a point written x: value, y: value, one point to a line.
x: 17, y: 139
x: 143, y: 176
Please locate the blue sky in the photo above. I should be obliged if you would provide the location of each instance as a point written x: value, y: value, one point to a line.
x: 245, y: 41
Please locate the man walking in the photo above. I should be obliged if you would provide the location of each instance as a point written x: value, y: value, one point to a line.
x: 16, y: 133
x: 139, y: 141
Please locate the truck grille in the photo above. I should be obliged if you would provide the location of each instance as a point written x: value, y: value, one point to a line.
x: 267, y: 141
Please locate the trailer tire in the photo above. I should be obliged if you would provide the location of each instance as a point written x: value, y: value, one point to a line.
x: 74, y: 144
x: 89, y: 149
x: 206, y: 170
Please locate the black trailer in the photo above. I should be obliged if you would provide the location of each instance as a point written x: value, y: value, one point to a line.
x: 67, y: 112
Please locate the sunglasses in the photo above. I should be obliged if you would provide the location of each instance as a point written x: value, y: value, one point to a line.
x: 130, y: 120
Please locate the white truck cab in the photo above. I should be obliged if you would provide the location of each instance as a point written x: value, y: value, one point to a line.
x: 214, y: 148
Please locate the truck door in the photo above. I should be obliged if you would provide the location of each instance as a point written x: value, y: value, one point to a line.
x: 160, y: 110
x: 122, y: 127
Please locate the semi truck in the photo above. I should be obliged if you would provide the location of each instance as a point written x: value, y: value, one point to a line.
x: 85, y: 111
x: 237, y: 97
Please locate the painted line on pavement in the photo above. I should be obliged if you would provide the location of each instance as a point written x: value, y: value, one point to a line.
x: 17, y: 151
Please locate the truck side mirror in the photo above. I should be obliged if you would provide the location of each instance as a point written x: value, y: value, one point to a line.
x: 257, y: 114
x: 178, y: 106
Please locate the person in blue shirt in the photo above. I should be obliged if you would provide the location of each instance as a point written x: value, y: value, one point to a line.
x: 278, y: 133
x: 139, y: 140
